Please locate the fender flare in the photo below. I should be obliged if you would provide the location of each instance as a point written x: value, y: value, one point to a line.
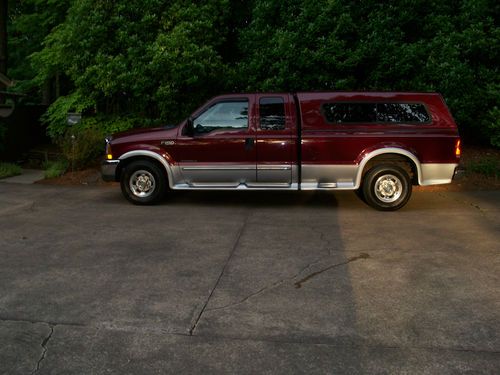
x: 153, y: 155
x: 387, y: 150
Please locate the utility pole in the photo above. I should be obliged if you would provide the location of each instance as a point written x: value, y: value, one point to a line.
x: 3, y: 36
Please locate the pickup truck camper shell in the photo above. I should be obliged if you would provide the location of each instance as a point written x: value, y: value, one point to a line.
x: 378, y: 143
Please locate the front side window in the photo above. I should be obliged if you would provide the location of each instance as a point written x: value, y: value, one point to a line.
x: 381, y: 113
x: 272, y: 113
x: 223, y: 115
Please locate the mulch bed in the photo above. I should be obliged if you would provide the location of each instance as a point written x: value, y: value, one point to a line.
x: 91, y: 176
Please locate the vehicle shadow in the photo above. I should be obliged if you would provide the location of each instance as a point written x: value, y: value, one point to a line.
x: 252, y: 198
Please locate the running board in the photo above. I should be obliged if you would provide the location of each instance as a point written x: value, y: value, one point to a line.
x: 336, y: 185
x: 249, y: 186
x: 341, y: 185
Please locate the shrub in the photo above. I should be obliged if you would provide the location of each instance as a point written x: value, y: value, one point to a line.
x: 81, y: 147
x: 8, y: 170
x: 493, y: 121
x: 83, y: 144
x: 55, y: 168
x: 487, y: 166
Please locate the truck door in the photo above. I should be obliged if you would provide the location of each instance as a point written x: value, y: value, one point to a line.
x: 275, y: 140
x: 221, y: 152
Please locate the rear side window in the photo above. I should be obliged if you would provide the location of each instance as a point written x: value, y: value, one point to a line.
x: 402, y: 112
x: 272, y: 113
x: 377, y: 113
x: 349, y: 112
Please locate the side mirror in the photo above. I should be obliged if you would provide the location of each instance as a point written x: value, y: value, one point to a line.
x: 189, y: 127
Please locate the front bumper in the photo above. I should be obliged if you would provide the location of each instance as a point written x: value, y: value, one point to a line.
x: 108, y: 170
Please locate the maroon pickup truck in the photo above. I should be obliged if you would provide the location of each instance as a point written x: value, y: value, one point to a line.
x: 378, y: 143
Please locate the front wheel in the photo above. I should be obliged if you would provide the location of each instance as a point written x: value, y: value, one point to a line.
x: 143, y: 182
x: 387, y: 187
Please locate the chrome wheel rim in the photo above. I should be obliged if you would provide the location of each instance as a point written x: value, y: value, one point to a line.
x: 142, y: 183
x: 388, y: 188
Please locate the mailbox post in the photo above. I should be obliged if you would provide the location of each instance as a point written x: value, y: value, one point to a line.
x: 72, y: 119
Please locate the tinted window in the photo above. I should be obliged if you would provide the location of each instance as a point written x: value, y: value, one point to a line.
x: 350, y: 112
x: 272, y: 113
x: 375, y: 113
x: 223, y: 115
x: 401, y: 112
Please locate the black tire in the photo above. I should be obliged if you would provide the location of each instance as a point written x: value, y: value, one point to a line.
x: 386, y: 187
x: 359, y: 193
x: 143, y: 182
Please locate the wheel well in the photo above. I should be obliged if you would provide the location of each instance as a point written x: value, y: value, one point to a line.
x: 123, y: 164
x: 396, y: 159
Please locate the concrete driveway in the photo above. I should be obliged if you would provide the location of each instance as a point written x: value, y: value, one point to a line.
x: 239, y: 282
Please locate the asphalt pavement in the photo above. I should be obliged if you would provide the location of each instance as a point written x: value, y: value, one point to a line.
x: 247, y: 283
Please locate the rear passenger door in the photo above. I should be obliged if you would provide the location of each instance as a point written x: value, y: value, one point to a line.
x: 275, y: 140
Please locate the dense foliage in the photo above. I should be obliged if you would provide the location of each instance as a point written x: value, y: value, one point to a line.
x: 152, y: 60
x: 30, y: 22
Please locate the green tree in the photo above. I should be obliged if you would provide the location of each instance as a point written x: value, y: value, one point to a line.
x: 155, y: 59
x: 186, y: 57
x: 134, y: 58
x: 447, y: 46
x: 30, y: 21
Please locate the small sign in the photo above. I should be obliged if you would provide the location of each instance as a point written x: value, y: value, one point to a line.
x: 73, y: 118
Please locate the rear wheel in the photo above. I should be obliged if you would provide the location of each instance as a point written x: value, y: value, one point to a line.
x: 143, y: 182
x: 387, y: 187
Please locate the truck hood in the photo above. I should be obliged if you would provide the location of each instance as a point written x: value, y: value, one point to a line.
x: 144, y: 133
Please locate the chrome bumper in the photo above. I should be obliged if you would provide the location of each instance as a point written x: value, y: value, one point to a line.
x: 108, y: 170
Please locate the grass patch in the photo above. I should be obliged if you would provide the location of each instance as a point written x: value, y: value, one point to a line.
x: 9, y: 170
x: 487, y: 166
x: 55, y: 168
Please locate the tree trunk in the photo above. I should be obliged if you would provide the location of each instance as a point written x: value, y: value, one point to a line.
x: 3, y: 36
x: 46, y: 92
x: 58, y: 86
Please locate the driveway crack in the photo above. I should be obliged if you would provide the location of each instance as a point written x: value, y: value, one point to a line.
x: 49, y: 323
x: 267, y: 287
x: 44, y: 349
x: 299, y: 283
x: 233, y: 250
x: 328, y: 247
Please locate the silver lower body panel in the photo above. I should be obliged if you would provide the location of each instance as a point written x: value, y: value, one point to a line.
x: 437, y: 173
x: 328, y: 176
x: 346, y: 177
x: 225, y: 174
x: 234, y: 175
x: 314, y: 177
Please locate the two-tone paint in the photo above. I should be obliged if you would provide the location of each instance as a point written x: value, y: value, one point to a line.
x: 309, y: 153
